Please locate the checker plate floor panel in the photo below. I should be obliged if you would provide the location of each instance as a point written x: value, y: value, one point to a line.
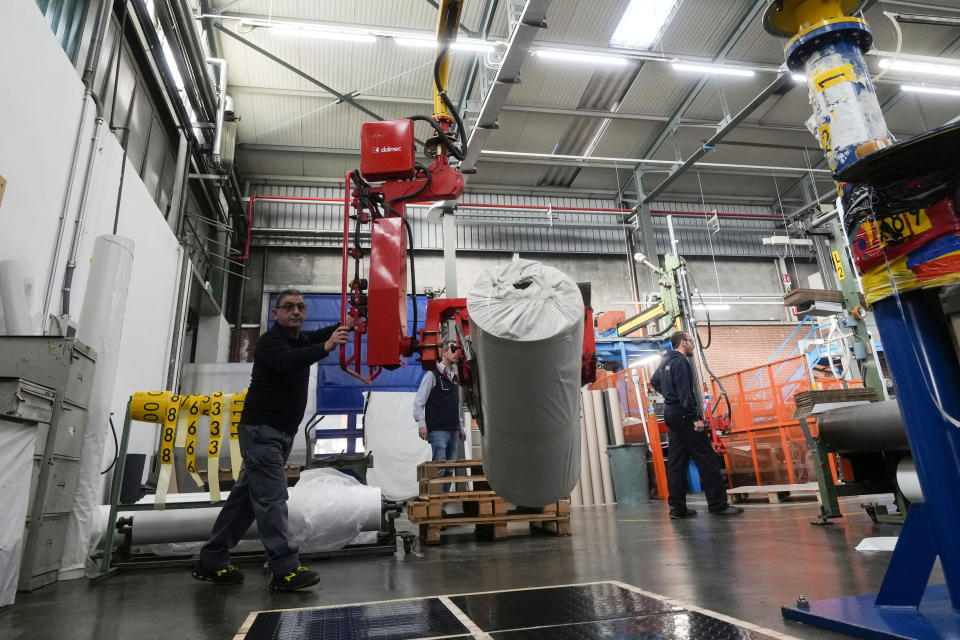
x: 688, y: 625
x: 556, y: 605
x: 383, y: 621
x: 573, y: 612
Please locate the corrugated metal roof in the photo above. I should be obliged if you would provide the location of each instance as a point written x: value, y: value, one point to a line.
x: 700, y: 27
x: 587, y: 23
x: 658, y: 90
x: 279, y: 108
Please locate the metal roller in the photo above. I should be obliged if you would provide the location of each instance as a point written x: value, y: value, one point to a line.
x: 877, y: 426
x: 907, y: 480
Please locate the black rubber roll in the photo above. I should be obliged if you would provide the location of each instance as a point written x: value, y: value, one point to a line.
x: 867, y: 427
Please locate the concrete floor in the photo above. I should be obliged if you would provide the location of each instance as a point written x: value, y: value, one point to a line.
x: 743, y: 567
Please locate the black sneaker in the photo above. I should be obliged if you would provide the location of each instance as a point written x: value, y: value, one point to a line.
x: 228, y: 575
x: 300, y: 578
x: 680, y: 515
x: 729, y: 510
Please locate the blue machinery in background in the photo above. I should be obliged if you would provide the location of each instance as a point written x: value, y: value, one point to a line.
x: 827, y: 45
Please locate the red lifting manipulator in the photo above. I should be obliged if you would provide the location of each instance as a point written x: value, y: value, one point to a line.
x: 378, y: 302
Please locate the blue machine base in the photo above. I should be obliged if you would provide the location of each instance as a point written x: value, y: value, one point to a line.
x: 858, y: 616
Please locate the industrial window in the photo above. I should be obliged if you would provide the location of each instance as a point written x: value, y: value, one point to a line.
x: 66, y: 18
x: 643, y: 23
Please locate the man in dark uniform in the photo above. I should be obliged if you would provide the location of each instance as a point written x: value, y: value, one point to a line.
x: 272, y: 412
x: 676, y: 381
x: 436, y: 409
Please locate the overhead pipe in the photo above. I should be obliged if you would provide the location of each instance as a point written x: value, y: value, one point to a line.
x: 195, y: 54
x: 221, y: 65
x: 89, y: 74
x: 173, y: 31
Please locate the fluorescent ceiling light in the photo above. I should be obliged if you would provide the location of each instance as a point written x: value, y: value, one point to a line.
x: 910, y: 88
x: 921, y: 67
x: 459, y: 45
x: 798, y: 77
x: 642, y: 23
x: 712, y: 68
x: 574, y: 56
x: 323, y: 34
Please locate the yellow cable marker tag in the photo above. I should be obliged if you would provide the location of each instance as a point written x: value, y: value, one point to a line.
x: 834, y: 76
x: 213, y: 448
x: 194, y: 410
x: 167, y: 440
x: 149, y: 406
x: 838, y: 265
x: 236, y: 410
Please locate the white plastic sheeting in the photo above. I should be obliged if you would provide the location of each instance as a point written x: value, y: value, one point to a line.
x: 391, y: 434
x: 327, y: 511
x: 13, y: 298
x: 100, y: 327
x: 17, y: 442
x: 526, y: 325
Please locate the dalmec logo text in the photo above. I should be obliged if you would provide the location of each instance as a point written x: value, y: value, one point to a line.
x: 385, y: 149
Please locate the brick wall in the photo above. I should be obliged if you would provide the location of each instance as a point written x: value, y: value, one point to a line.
x: 738, y: 347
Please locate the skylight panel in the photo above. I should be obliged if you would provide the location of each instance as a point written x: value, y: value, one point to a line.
x: 643, y: 23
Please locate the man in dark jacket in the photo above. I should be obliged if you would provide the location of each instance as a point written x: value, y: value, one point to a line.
x: 676, y: 381
x: 272, y: 412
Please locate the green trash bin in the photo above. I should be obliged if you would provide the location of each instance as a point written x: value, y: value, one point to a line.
x: 628, y: 466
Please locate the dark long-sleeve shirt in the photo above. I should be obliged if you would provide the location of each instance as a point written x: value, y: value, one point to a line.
x: 277, y: 395
x: 674, y: 380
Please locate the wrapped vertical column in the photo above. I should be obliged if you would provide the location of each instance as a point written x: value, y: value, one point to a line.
x: 100, y: 327
x: 526, y: 325
x: 13, y: 298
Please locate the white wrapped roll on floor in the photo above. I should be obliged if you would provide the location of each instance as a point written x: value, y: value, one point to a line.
x: 526, y: 326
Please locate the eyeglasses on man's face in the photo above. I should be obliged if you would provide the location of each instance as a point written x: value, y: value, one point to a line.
x: 290, y: 306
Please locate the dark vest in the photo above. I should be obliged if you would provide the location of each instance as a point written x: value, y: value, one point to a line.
x: 443, y: 404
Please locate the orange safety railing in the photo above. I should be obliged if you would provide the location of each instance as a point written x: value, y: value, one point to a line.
x: 765, y: 444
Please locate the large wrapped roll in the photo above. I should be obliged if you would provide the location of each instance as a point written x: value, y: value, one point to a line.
x: 526, y: 324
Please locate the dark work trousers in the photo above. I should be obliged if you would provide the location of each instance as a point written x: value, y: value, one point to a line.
x: 260, y: 494
x: 686, y: 443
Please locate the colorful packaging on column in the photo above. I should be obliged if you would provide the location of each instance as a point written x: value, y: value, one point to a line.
x: 526, y: 325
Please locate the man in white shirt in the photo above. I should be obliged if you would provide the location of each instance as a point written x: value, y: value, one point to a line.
x: 436, y: 408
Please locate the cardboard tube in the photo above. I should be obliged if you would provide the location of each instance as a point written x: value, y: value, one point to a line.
x: 613, y: 396
x: 593, y: 451
x: 586, y: 489
x: 600, y: 422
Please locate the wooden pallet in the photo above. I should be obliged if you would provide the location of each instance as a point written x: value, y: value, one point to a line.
x: 802, y: 296
x: 431, y: 483
x: 494, y: 527
x: 775, y: 493
x: 807, y: 401
x: 483, y: 509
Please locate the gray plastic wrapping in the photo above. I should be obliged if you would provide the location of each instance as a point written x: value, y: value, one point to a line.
x: 526, y: 326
